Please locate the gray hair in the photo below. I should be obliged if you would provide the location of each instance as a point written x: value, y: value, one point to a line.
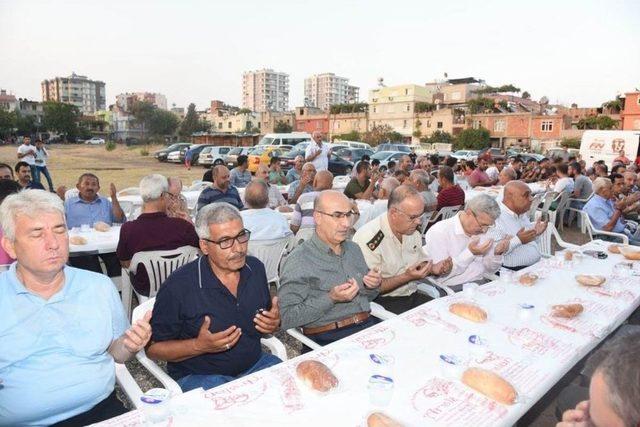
x: 401, y: 193
x: 153, y: 186
x: 510, y: 172
x: 600, y: 183
x: 422, y: 176
x: 389, y: 184
x: 29, y: 203
x: 256, y: 194
x: 215, y: 213
x: 484, y: 203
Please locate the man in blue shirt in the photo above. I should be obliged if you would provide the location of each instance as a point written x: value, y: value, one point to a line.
x: 240, y: 176
x: 210, y: 314
x: 62, y: 328
x: 302, y: 185
x: 221, y: 191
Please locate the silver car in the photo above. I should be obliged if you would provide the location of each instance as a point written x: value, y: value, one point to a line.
x: 213, y: 155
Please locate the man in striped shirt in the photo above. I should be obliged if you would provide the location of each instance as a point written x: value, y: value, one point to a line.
x: 222, y: 190
x: 303, y: 211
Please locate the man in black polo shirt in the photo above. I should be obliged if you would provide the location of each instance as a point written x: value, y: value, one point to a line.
x: 210, y: 314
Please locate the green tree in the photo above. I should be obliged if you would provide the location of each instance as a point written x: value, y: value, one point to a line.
x: 615, y: 105
x: 570, y: 142
x: 379, y: 134
x: 61, y: 118
x: 438, y: 137
x: 354, y: 135
x: 498, y: 89
x: 417, y: 133
x: 7, y: 122
x: 25, y: 125
x: 282, y: 127
x: 473, y: 139
x: 526, y: 95
x: 423, y: 107
x: 163, y: 122
x: 480, y: 105
x: 244, y: 111
x: 358, y: 107
x: 191, y: 122
x: 597, y: 122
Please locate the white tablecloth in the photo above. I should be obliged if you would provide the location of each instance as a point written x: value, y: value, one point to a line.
x: 532, y: 351
x: 497, y: 190
x: 97, y: 241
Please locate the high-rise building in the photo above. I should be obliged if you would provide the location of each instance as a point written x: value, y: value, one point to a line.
x: 265, y: 90
x: 125, y: 100
x: 327, y: 89
x: 88, y: 95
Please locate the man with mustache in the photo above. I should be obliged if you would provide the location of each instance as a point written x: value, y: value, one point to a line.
x: 211, y: 313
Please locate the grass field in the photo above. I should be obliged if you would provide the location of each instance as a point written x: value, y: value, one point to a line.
x: 124, y: 166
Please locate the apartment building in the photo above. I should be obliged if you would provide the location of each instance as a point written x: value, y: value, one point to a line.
x: 630, y: 115
x: 395, y: 106
x: 327, y: 89
x: 126, y: 100
x: 311, y: 119
x: 86, y: 94
x: 265, y: 90
x: 523, y: 129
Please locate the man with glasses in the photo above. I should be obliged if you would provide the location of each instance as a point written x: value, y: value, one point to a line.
x: 514, y: 223
x: 210, y: 314
x: 153, y: 230
x: 464, y: 238
x: 326, y: 285
x: 392, y: 243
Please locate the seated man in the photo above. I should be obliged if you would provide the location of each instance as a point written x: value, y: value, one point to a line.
x: 582, y: 186
x: 303, y: 212
x: 23, y: 171
x: 506, y: 175
x: 494, y: 171
x: 450, y: 194
x: 420, y: 180
x: 479, y: 178
x: 325, y: 285
x: 240, y: 176
x: 221, y: 191
x: 276, y: 176
x: 294, y: 173
x: 362, y: 186
x: 392, y: 243
x: 606, y: 215
x: 208, y: 317
x: 62, y: 328
x: 276, y: 199
x: 514, y: 223
x: 262, y: 222
x: 464, y: 239
x: 380, y: 204
x: 303, y: 184
x: 88, y: 207
x: 153, y: 230
x: 176, y: 202
x: 564, y: 182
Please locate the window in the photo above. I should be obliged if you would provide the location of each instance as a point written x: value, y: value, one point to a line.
x: 477, y: 124
x: 499, y: 126
x: 546, y: 126
x: 219, y: 125
x: 408, y: 107
x: 404, y: 123
x: 439, y: 125
x: 229, y: 125
x: 406, y: 92
x: 374, y: 109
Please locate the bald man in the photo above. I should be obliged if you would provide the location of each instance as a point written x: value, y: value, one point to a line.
x: 514, y: 222
x: 221, y: 191
x: 507, y: 175
x: 325, y: 286
x: 303, y: 211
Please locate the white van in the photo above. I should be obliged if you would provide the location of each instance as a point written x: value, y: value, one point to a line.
x: 351, y: 144
x: 606, y: 145
x: 293, y: 138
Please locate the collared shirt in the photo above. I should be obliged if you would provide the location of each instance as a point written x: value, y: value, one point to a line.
x: 183, y: 301
x: 265, y: 224
x: 509, y: 224
x: 448, y: 239
x: 30, y: 158
x: 54, y: 362
x: 450, y: 196
x: 239, y: 179
x: 600, y: 211
x: 303, y: 211
x: 564, y: 184
x: 293, y: 187
x: 493, y: 173
x: 310, y: 272
x: 153, y: 232
x: 322, y: 161
x: 354, y: 187
x: 583, y: 186
x: 212, y: 195
x: 477, y: 176
x: 275, y: 197
x: 293, y: 175
x: 81, y: 212
x: 277, y: 178
x: 381, y: 248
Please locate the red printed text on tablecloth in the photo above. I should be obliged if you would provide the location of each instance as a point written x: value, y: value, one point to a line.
x: 429, y: 316
x: 290, y: 395
x: 129, y: 419
x: 523, y: 374
x: 540, y: 343
x: 492, y: 290
x: 376, y: 337
x: 236, y: 393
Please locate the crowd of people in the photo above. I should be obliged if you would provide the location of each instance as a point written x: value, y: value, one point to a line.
x: 65, y: 325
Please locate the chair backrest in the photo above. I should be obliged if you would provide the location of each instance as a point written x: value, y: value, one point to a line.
x: 445, y: 212
x: 270, y: 252
x: 587, y: 223
x: 544, y: 240
x: 128, y: 208
x: 548, y: 199
x: 160, y: 264
x: 302, y: 235
x: 129, y: 191
x: 199, y: 186
x: 142, y: 308
x: 72, y: 192
x: 534, y: 206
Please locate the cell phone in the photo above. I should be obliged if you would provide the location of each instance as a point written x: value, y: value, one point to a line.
x: 596, y: 254
x: 260, y: 311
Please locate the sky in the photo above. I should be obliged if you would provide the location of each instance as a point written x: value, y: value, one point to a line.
x: 195, y: 51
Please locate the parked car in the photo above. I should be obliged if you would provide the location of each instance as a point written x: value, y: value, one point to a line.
x: 528, y: 156
x: 263, y: 154
x: 291, y: 139
x: 352, y: 144
x: 386, y: 156
x: 496, y: 153
x: 213, y: 155
x: 393, y: 147
x: 339, y: 166
x: 231, y: 158
x: 353, y: 154
x: 466, y: 155
x: 95, y: 141
x: 195, y: 155
x: 288, y: 159
x: 559, y: 152
x: 161, y: 155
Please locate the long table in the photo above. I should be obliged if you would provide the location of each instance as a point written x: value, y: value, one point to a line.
x: 98, y: 242
x: 526, y: 346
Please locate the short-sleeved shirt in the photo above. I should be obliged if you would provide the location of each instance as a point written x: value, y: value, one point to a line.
x: 54, y: 362
x: 293, y: 175
x: 212, y: 195
x: 564, y: 184
x: 600, y: 211
x: 303, y: 212
x: 265, y: 224
x: 382, y: 249
x: 81, y: 212
x: 450, y: 196
x: 477, y: 176
x: 41, y: 157
x: 354, y: 187
x: 153, y: 232
x: 275, y: 197
x: 322, y: 161
x: 277, y: 178
x: 583, y: 186
x: 293, y: 187
x: 239, y: 179
x: 183, y: 302
x: 30, y: 159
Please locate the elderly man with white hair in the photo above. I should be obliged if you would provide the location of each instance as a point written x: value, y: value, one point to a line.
x: 294, y: 173
x: 263, y: 222
x: 421, y: 180
x: 464, y: 239
x: 62, y: 328
x: 604, y: 214
x: 153, y: 230
x: 318, y: 152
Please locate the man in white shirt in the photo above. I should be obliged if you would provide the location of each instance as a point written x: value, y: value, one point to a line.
x: 264, y: 223
x: 27, y: 154
x: 565, y: 182
x: 493, y: 172
x: 318, y: 153
x: 514, y: 221
x: 464, y: 238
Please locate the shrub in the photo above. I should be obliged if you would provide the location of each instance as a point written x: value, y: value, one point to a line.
x: 110, y: 145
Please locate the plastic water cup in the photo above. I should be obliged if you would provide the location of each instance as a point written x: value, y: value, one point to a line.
x: 155, y: 404
x: 382, y: 364
x: 469, y: 290
x: 85, y: 228
x: 380, y: 390
x: 506, y: 275
x: 525, y: 311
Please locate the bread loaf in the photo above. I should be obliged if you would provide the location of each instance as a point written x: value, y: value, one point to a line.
x: 630, y: 254
x: 568, y: 255
x: 590, y: 280
x: 528, y: 279
x: 101, y: 226
x: 567, y: 311
x: 77, y: 240
x: 378, y: 419
x: 490, y: 384
x: 614, y: 249
x: 316, y: 375
x: 469, y: 311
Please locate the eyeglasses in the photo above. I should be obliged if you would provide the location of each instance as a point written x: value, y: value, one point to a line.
x: 411, y: 217
x: 483, y: 227
x: 226, y: 243
x: 339, y: 215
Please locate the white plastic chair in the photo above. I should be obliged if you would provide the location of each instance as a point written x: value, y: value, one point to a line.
x: 575, y: 212
x: 128, y: 208
x: 158, y: 265
x: 72, y: 192
x: 547, y: 199
x: 557, y: 215
x: 341, y: 181
x: 270, y: 252
x: 444, y: 213
x: 591, y: 230
x: 544, y: 241
x: 199, y: 185
x: 535, y: 203
x: 129, y: 191
x: 432, y: 289
x: 132, y: 389
x: 302, y: 235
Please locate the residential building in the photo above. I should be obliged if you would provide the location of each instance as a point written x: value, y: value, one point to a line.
x: 395, y: 106
x: 88, y: 95
x: 630, y: 115
x: 343, y: 123
x: 236, y: 122
x: 35, y: 109
x: 225, y: 139
x: 311, y: 119
x: 8, y: 101
x: 270, y: 119
x: 126, y: 100
x: 447, y: 120
x: 265, y: 90
x: 178, y: 111
x: 327, y: 89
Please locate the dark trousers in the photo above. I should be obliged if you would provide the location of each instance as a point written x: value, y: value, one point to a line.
x: 514, y: 268
x: 337, y: 334
x: 398, y: 305
x: 108, y: 408
x: 92, y: 263
x: 42, y: 170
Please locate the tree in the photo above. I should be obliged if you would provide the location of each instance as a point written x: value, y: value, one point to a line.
x: 163, y: 122
x: 570, y: 142
x: 7, y: 121
x: 417, y: 133
x: 25, y: 125
x: 282, y: 127
x: 526, y: 95
x: 61, y: 118
x: 498, y: 89
x: 244, y: 111
x: 597, y: 122
x: 438, y: 137
x: 480, y: 105
x: 424, y: 107
x: 358, y: 107
x: 192, y: 123
x: 614, y: 105
x: 354, y: 135
x: 379, y: 134
x: 473, y: 139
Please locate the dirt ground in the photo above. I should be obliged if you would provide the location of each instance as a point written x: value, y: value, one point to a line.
x: 124, y: 166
